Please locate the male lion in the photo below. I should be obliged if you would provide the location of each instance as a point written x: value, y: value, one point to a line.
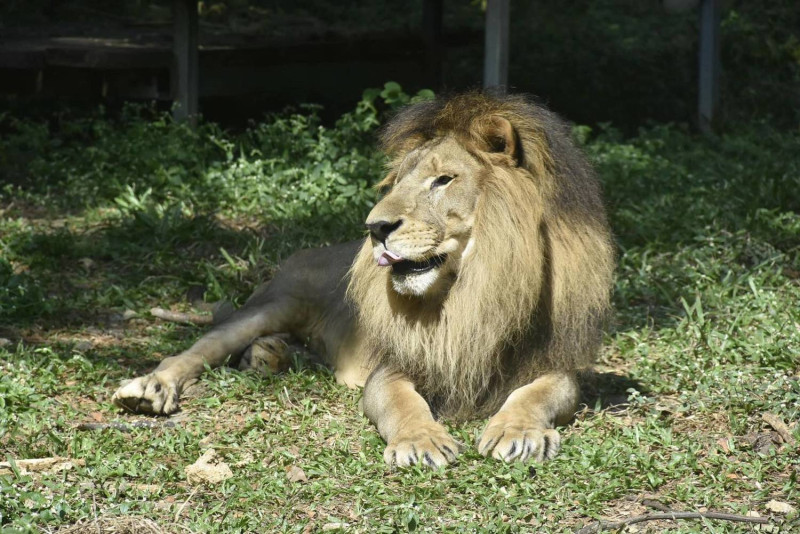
x: 480, y: 290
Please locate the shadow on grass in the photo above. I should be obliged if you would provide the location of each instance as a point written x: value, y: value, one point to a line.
x: 65, y: 286
x: 66, y: 277
x: 605, y: 390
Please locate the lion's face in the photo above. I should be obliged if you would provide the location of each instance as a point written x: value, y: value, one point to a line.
x: 421, y: 229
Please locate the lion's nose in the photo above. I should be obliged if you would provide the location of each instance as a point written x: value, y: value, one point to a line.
x: 380, y: 230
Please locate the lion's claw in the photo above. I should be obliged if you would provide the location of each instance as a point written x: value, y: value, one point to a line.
x: 148, y: 394
x: 428, y: 445
x: 509, y: 440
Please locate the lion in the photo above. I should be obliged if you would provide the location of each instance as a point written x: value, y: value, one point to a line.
x: 480, y: 290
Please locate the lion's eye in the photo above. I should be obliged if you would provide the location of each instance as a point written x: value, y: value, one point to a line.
x: 441, y: 180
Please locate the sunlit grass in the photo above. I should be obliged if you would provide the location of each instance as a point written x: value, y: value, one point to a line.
x: 705, y: 339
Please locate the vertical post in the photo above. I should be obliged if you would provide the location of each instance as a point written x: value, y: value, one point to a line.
x: 185, y: 78
x: 708, y: 89
x: 432, y: 37
x: 495, y: 61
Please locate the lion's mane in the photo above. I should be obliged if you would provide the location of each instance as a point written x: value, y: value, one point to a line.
x: 532, y: 295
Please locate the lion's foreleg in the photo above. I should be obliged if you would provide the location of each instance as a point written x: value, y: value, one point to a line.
x: 405, y: 422
x: 524, y: 427
x: 159, y: 392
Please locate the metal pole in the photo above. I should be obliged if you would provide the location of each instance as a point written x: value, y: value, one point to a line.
x: 708, y: 89
x: 184, y: 49
x: 495, y: 62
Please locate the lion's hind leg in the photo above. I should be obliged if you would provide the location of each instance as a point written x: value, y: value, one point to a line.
x: 150, y: 393
x: 159, y: 392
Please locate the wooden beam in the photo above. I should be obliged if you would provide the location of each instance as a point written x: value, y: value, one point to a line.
x: 495, y: 62
x: 185, y: 80
x: 708, y: 87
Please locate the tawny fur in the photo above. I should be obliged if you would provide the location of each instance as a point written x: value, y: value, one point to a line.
x: 534, y: 291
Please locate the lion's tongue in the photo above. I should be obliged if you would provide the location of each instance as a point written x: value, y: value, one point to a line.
x: 388, y: 258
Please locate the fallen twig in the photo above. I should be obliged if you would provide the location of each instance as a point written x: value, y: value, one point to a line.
x: 180, y: 317
x: 126, y: 427
x: 600, y: 526
x: 180, y: 510
x: 780, y: 427
x: 658, y: 505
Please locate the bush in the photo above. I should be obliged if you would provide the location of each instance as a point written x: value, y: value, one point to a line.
x: 288, y: 166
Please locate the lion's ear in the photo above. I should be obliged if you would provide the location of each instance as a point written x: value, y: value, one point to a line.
x: 499, y: 136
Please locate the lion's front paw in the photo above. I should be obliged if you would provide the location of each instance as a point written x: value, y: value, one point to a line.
x: 151, y: 394
x: 427, y: 443
x: 512, y: 439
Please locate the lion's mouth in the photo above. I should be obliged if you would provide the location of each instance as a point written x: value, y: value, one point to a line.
x: 405, y: 267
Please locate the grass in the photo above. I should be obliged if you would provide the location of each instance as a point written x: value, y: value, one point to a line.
x: 116, y: 216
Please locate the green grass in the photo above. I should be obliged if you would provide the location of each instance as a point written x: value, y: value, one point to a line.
x: 115, y: 215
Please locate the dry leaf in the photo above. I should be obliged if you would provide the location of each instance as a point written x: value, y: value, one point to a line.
x: 41, y: 465
x: 780, y: 507
x: 779, y: 426
x: 295, y: 474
